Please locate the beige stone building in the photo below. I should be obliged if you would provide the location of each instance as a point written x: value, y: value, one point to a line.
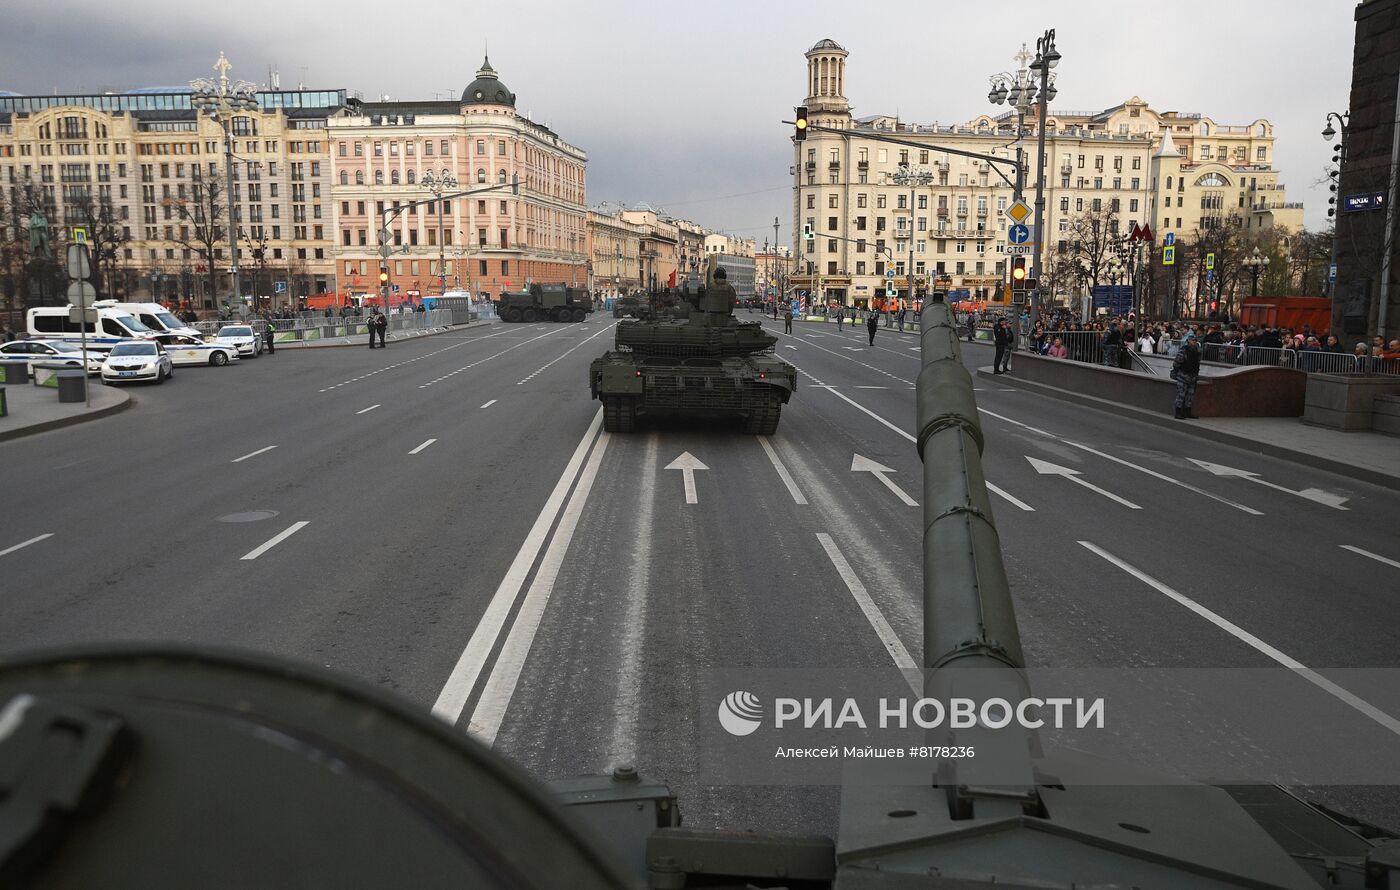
x: 490, y: 241
x: 614, y: 245
x: 138, y: 165
x: 864, y: 224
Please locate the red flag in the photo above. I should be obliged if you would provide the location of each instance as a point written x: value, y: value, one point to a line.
x: 671, y: 282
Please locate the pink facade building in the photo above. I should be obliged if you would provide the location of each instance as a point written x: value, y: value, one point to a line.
x: 493, y: 240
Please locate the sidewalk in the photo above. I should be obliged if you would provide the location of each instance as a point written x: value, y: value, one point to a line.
x: 35, y: 409
x: 1367, y: 456
x: 362, y: 339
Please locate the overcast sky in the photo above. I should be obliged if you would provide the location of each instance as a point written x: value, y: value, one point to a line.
x: 678, y: 104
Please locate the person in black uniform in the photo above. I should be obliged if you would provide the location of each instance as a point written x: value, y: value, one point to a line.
x: 1001, y: 336
x: 872, y: 324
x: 381, y: 324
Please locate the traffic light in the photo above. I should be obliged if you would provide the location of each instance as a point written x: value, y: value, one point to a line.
x: 383, y: 275
x: 808, y: 235
x: 800, y: 130
x: 1018, y: 273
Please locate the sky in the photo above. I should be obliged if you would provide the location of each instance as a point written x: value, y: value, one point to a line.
x: 680, y: 105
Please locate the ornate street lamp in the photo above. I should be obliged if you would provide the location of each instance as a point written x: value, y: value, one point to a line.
x: 1339, y: 153
x: 1046, y: 58
x: 439, y: 185
x: 223, y: 101
x: 1256, y: 263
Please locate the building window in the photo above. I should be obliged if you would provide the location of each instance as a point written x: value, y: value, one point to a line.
x: 811, y: 202
x: 501, y: 148
x: 831, y: 223
x: 480, y: 175
x: 831, y: 202
x: 1261, y: 153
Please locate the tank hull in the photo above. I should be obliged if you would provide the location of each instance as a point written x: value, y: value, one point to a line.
x: 753, y: 388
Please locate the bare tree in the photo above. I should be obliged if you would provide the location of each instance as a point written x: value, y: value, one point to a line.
x: 105, y: 236
x: 202, y: 227
x: 1092, y: 238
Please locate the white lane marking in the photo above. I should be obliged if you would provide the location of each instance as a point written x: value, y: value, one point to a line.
x: 545, y: 367
x: 990, y: 487
x: 1118, y: 460
x: 861, y: 464
x: 902, y: 659
x: 1045, y: 468
x: 1316, y: 495
x: 627, y: 705
x: 409, y: 361
x: 687, y: 464
x: 453, y: 697
x: 489, y: 404
x: 424, y: 445
x: 1376, y: 556
x: 1017, y: 501
x: 23, y: 544
x: 276, y: 539
x: 487, y: 359
x: 783, y: 473
x: 872, y: 387
x: 505, y: 673
x: 1250, y: 639
x: 252, y: 454
x: 367, y: 410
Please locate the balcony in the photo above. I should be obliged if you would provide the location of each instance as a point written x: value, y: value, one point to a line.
x: 811, y: 166
x: 862, y: 165
x: 943, y: 213
x: 982, y: 212
x: 834, y: 165
x: 962, y: 211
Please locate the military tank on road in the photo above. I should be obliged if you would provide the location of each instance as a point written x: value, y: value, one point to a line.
x: 545, y: 302
x: 693, y: 358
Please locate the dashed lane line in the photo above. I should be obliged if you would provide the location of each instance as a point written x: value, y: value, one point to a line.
x: 409, y: 361
x: 797, y: 495
x: 238, y: 460
x: 1357, y: 550
x: 367, y: 410
x: 424, y: 445
x: 21, y: 545
x: 276, y: 539
x: 487, y: 359
x: 545, y: 367
x: 489, y: 404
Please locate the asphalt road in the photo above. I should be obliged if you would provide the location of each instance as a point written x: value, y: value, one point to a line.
x: 444, y: 518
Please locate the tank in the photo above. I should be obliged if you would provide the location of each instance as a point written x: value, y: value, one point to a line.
x: 690, y: 357
x: 630, y: 306
x: 544, y: 302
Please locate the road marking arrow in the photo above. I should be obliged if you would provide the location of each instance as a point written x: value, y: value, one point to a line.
x: 1316, y: 495
x: 1045, y: 468
x: 687, y: 464
x: 866, y: 465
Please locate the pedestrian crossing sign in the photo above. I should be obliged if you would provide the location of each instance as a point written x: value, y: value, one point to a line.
x: 1169, y: 255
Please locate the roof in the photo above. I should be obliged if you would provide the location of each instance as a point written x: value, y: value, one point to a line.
x: 487, y: 89
x: 1167, y: 148
x: 827, y: 43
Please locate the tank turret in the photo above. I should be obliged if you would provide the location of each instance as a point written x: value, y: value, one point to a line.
x: 690, y: 356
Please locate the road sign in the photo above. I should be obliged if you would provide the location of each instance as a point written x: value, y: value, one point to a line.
x: 79, y: 235
x: 1363, y: 201
x: 1210, y: 261
x: 79, y: 265
x: 1141, y: 233
x: 1020, y: 249
x: 1018, y: 234
x: 889, y: 273
x: 1170, y: 240
x: 1018, y: 211
x: 1332, y: 274
x: 280, y: 287
x: 394, y: 288
x: 81, y: 293
x: 76, y: 315
x: 385, y: 250
x: 1210, y: 276
x: 1169, y: 255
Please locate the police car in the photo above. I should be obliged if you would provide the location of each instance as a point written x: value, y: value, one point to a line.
x: 185, y: 350
x: 249, y: 344
x: 135, y: 360
x: 56, y: 352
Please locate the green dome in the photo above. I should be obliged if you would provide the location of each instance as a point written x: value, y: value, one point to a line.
x: 487, y: 89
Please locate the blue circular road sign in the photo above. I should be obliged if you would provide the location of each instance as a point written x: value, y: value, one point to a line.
x: 1018, y: 234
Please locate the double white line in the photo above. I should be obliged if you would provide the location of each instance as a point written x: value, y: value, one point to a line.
x: 505, y: 672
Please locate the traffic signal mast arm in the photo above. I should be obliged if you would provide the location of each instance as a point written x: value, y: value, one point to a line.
x: 874, y: 137
x: 870, y: 244
x: 389, y: 214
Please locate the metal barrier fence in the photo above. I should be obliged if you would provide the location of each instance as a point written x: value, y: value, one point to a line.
x: 305, y: 328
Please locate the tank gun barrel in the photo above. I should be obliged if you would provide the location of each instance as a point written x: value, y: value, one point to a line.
x: 967, y: 602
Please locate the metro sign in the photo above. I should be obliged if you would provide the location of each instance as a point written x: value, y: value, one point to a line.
x: 1141, y: 233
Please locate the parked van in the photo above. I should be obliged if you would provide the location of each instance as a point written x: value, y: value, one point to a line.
x: 113, y: 326
x: 152, y: 315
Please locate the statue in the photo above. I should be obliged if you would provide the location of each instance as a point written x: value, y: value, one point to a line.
x: 39, y: 235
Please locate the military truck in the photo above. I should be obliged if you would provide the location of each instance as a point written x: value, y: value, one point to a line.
x: 693, y: 358
x: 545, y: 302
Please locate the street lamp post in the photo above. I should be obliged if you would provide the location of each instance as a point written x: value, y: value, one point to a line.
x: 906, y: 176
x: 439, y: 185
x: 1018, y: 91
x: 1343, y: 120
x: 1256, y: 263
x: 1046, y: 58
x: 224, y: 101
x: 257, y: 248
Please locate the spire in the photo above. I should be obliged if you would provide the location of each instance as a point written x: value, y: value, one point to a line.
x: 486, y: 70
x: 1167, y: 148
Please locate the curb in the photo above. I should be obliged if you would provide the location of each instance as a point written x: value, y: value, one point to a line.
x: 1306, y: 458
x: 359, y: 341
x: 70, y: 420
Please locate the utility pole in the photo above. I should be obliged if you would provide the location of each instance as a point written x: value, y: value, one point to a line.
x: 1046, y: 57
